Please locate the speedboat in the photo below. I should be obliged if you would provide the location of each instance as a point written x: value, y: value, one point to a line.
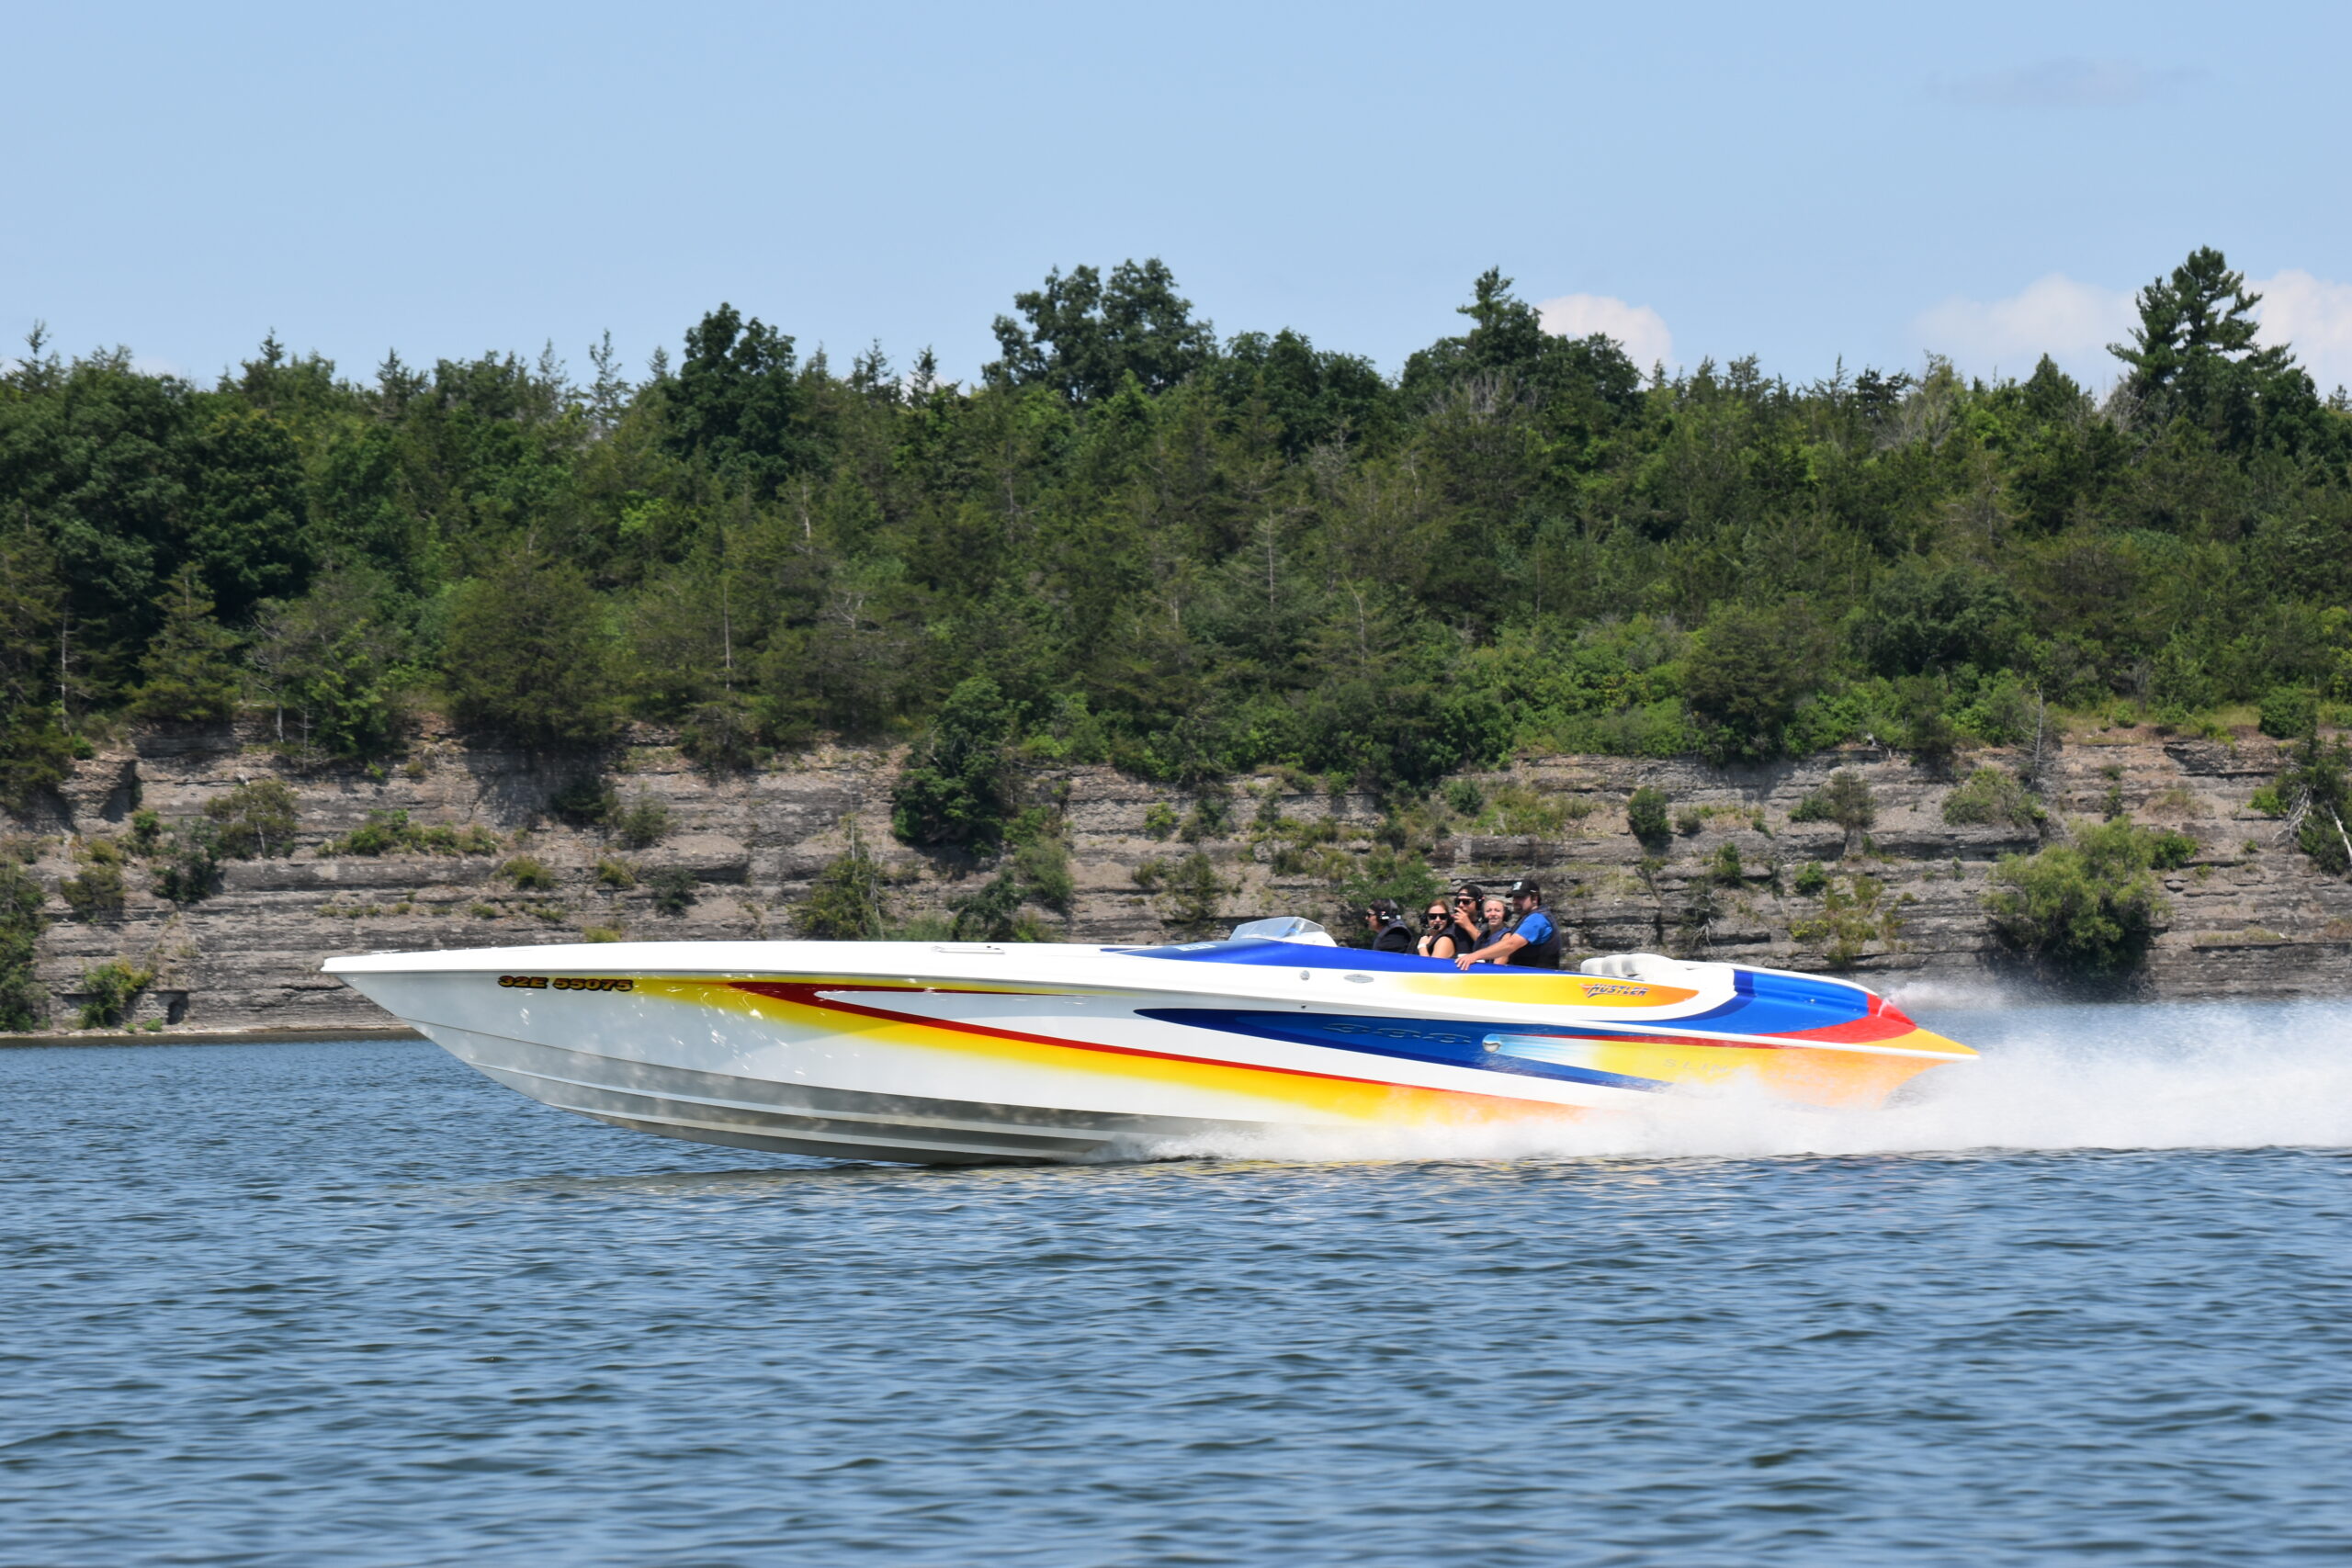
x: 959, y: 1053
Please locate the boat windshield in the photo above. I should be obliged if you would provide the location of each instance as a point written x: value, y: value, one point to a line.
x: 1284, y: 928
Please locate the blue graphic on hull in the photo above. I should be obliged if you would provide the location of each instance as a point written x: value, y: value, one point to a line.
x: 1762, y: 1002
x: 1416, y: 1040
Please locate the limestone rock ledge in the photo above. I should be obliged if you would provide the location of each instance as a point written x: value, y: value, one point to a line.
x: 2249, y: 916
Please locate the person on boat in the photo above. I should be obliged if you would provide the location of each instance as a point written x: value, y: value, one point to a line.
x: 1494, y: 919
x: 1389, y: 931
x: 1438, y: 933
x: 1469, y: 935
x: 1531, y: 942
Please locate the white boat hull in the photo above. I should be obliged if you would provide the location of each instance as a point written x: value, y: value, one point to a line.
x: 965, y: 1052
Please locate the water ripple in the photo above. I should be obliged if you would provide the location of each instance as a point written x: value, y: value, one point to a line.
x: 281, y: 1305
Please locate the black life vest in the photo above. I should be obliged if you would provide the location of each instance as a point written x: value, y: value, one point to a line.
x: 1544, y: 955
x: 1394, y: 936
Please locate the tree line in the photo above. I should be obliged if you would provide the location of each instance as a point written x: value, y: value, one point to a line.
x: 1134, y: 540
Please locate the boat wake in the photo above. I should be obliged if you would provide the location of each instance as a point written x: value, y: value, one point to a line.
x: 2137, y: 1076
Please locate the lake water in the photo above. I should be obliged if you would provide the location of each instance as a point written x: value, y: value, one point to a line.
x: 354, y: 1304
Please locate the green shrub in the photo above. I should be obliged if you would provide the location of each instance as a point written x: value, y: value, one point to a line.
x: 1189, y: 892
x: 2312, y: 793
x: 600, y: 933
x: 1811, y: 878
x: 673, y: 889
x: 253, y: 822
x: 391, y: 832
x: 528, y: 873
x: 189, y: 869
x: 1849, y: 920
x: 1159, y: 821
x: 1657, y: 728
x: 2290, y: 713
x: 1040, y: 867
x: 1688, y: 822
x: 1309, y: 849
x: 847, y: 902
x: 642, y: 823
x: 146, y: 833
x: 1924, y: 616
x: 724, y: 734
x: 1991, y: 796
x: 111, y: 987
x: 1726, y: 869
x: 993, y: 913
x: 1845, y: 799
x: 2089, y: 908
x: 2168, y: 850
x: 1211, y: 818
x: 1463, y: 798
x: 1384, y: 728
x: 1646, y: 815
x: 1520, y: 811
x: 2322, y: 837
x: 2111, y: 804
x: 615, y: 875
x: 23, y: 1003
x: 953, y: 789
x: 1928, y: 734
x: 585, y: 802
x: 383, y: 833
x: 96, y: 893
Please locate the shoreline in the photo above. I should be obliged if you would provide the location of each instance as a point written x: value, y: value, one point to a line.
x: 360, y: 1033
x: 354, y: 1032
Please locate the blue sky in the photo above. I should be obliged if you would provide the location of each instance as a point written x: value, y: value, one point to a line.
x: 1799, y: 183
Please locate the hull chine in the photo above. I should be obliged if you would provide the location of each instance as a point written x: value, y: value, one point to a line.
x: 704, y: 1107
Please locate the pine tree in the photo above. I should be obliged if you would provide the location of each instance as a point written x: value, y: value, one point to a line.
x: 190, y: 668
x: 530, y: 655
x: 2194, y: 356
x: 35, y: 750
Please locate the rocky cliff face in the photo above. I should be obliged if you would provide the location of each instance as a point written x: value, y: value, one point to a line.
x: 2249, y: 916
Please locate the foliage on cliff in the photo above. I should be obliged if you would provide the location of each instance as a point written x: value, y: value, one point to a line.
x: 2090, y: 907
x: 24, y: 1002
x: 1183, y: 553
x: 2312, y: 793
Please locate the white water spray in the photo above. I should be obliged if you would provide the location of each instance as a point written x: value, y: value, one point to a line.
x: 2135, y: 1076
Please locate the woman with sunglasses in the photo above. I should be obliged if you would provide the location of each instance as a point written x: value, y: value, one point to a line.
x: 1438, y: 933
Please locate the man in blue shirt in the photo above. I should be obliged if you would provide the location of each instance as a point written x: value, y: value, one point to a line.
x: 1532, y: 942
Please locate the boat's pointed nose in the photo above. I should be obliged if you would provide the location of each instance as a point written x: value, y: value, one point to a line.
x: 1918, y: 1039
